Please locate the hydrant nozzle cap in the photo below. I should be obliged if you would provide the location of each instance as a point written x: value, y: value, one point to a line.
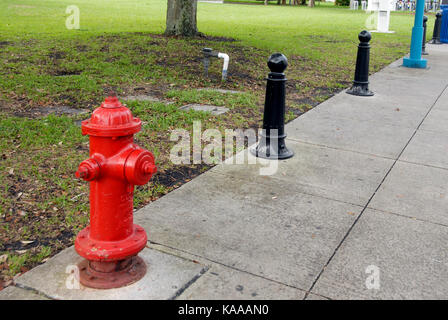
x: 88, y: 170
x: 149, y: 168
x: 111, y: 119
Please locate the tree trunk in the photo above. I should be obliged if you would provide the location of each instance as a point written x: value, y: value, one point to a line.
x: 311, y: 3
x: 181, y: 18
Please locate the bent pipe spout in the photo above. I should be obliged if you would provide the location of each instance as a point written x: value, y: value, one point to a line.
x: 225, y: 65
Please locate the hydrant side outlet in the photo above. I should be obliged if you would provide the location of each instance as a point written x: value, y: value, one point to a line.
x: 112, y: 241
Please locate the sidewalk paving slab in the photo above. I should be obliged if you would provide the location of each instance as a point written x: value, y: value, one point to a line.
x: 166, y: 277
x: 415, y: 191
x: 378, y: 110
x: 405, y: 89
x: 442, y: 102
x: 313, y: 296
x: 344, y: 133
x: 428, y: 148
x: 411, y: 256
x: 436, y: 69
x: 436, y: 121
x: 269, y: 229
x: 222, y: 283
x: 315, y: 170
x: 15, y: 293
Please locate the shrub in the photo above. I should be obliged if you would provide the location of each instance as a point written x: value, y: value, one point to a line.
x: 342, y: 2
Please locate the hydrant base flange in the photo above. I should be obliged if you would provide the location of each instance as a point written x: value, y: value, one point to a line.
x: 109, y: 275
x: 95, y: 250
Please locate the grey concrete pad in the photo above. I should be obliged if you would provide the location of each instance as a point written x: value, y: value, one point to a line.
x: 415, y: 191
x: 167, y: 276
x: 15, y: 293
x: 220, y: 90
x: 436, y: 69
x: 265, y: 229
x: 428, y: 148
x: 442, y: 102
x: 379, y: 110
x: 222, y: 283
x: 410, y: 255
x: 436, y: 121
x: 315, y: 170
x: 313, y: 296
x: 214, y: 110
x: 397, y: 86
x: 339, y: 132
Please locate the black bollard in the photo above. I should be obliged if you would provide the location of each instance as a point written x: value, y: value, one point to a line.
x: 425, y: 21
x: 437, y: 27
x: 272, y: 142
x: 361, y: 83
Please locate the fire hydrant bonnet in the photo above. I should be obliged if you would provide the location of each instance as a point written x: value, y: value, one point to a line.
x: 111, y: 119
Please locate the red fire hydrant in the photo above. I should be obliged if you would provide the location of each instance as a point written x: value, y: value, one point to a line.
x: 112, y: 241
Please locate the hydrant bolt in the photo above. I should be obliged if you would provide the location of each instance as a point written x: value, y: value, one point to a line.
x: 111, y: 243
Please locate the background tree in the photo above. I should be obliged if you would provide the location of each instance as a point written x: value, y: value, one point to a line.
x: 342, y: 2
x: 181, y: 18
x: 311, y: 3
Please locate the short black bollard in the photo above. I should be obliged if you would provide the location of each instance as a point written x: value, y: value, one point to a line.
x: 425, y: 22
x: 437, y: 26
x: 361, y: 83
x: 272, y: 143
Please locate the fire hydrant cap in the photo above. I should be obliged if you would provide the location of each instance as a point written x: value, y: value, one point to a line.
x: 111, y: 119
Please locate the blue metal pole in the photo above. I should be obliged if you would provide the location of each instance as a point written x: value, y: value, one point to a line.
x: 444, y: 25
x: 415, y: 58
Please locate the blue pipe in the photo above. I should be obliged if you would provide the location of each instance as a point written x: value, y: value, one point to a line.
x: 415, y: 58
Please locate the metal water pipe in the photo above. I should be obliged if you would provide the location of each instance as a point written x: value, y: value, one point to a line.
x: 208, y: 53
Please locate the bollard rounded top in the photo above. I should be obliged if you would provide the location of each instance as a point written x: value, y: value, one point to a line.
x: 278, y: 63
x: 365, y: 36
x: 425, y: 18
x: 438, y: 14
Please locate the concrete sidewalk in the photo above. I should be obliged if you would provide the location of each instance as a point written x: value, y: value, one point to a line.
x: 360, y: 212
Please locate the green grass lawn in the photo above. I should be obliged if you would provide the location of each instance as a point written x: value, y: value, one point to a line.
x: 119, y: 47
